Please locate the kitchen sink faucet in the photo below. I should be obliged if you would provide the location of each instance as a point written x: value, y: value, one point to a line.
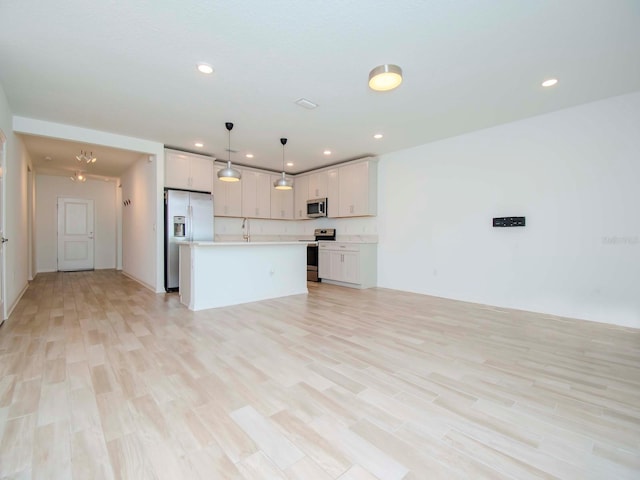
x: 246, y: 230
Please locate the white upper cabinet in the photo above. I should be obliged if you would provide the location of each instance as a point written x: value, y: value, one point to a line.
x: 227, y: 196
x: 300, y: 195
x: 281, y: 201
x: 256, y: 194
x: 333, y: 193
x: 188, y: 171
x: 318, y: 185
x: 358, y: 189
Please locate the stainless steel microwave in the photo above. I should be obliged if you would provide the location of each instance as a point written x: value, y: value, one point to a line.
x: 317, y: 207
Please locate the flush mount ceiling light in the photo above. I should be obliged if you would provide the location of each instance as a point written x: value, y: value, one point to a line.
x: 550, y: 82
x: 283, y: 183
x: 229, y: 174
x: 198, y: 144
x: 385, y: 77
x: 249, y: 155
x: 378, y: 136
x: 327, y: 152
x: 205, y: 68
x: 84, y: 157
x: 78, y: 177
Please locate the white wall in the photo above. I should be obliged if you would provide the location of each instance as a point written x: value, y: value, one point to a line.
x: 48, y: 189
x: 15, y: 210
x: 574, y: 174
x: 140, y: 228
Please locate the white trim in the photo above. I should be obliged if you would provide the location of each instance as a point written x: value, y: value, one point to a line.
x: 144, y: 284
x: 15, y: 304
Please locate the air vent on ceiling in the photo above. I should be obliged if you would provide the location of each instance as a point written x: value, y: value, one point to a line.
x: 308, y: 104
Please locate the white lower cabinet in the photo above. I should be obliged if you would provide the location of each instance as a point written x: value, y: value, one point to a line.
x: 348, y: 264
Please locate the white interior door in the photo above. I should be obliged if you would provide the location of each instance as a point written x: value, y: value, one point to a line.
x: 2, y: 239
x: 75, y: 234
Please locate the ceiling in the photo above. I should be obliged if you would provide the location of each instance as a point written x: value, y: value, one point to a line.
x: 130, y: 68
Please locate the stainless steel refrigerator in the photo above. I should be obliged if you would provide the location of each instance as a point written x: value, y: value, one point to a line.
x: 188, y: 216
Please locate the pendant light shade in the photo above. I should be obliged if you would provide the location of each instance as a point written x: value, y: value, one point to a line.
x: 283, y: 183
x: 385, y: 77
x: 229, y: 174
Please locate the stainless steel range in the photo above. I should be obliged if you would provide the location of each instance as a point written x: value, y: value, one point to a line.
x: 312, y: 251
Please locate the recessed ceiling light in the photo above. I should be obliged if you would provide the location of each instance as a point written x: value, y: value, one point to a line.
x: 550, y: 82
x: 249, y: 155
x: 327, y: 152
x: 205, y: 68
x: 289, y: 164
x: 377, y: 136
x: 199, y: 145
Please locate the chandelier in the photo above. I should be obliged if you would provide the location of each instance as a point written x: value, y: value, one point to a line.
x: 79, y: 177
x: 84, y: 157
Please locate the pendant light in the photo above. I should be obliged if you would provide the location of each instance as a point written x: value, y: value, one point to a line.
x: 229, y: 174
x: 283, y: 183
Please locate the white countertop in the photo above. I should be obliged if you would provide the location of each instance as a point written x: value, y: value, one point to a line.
x: 240, y: 244
x: 349, y: 241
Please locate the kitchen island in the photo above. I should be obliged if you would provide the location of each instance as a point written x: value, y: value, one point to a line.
x: 218, y: 274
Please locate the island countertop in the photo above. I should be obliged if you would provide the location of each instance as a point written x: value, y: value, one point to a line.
x: 235, y: 244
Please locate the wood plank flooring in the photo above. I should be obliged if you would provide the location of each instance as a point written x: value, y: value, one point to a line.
x: 101, y: 379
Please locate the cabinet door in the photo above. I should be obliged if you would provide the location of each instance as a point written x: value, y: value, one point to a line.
x: 333, y: 193
x: 354, y: 189
x: 256, y: 194
x: 336, y: 268
x: 233, y: 206
x: 281, y: 201
x: 249, y: 193
x: 201, y: 174
x: 351, y: 267
x: 176, y: 170
x: 219, y: 195
x: 324, y: 264
x: 263, y: 195
x: 227, y: 197
x: 301, y: 195
x: 318, y: 185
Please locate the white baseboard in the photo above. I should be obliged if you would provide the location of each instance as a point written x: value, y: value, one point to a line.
x: 15, y: 304
x: 144, y: 284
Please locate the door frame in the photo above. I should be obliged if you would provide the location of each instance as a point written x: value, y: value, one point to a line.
x: 3, y: 263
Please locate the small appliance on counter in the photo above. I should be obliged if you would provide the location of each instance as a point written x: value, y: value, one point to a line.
x: 188, y: 217
x: 312, y: 251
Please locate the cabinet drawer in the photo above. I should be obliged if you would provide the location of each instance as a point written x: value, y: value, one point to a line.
x: 339, y: 246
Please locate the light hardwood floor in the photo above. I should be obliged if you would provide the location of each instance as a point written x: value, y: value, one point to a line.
x: 101, y: 378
